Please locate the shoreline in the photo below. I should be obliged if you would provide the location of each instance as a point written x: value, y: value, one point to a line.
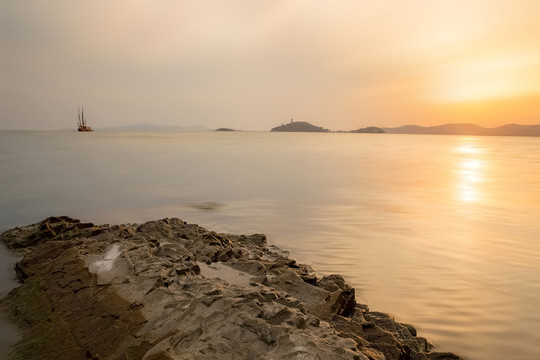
x: 171, y: 290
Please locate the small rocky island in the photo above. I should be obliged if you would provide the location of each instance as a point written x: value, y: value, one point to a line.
x: 171, y: 290
x: 299, y: 126
x: 369, y: 130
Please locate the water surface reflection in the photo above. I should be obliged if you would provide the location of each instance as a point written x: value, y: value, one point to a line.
x: 470, y: 170
x: 440, y: 231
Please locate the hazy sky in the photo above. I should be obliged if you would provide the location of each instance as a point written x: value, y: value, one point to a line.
x: 252, y: 65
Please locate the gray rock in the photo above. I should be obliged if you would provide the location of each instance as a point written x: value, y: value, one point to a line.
x: 171, y: 290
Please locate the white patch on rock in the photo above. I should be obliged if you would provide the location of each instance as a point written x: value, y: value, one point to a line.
x: 106, y: 262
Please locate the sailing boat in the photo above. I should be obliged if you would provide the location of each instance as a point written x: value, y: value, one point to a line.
x: 81, y: 124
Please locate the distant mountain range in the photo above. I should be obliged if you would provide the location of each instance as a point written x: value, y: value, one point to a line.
x: 152, y: 127
x: 467, y: 129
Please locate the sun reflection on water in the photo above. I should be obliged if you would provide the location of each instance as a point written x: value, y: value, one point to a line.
x: 470, y: 170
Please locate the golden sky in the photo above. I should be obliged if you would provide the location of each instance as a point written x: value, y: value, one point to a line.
x: 253, y: 65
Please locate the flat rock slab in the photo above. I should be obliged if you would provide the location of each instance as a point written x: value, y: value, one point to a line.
x: 171, y: 290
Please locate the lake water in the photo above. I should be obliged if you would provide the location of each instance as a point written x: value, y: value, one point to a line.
x: 440, y: 231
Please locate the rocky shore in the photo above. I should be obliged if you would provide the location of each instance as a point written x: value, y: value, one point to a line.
x: 171, y: 290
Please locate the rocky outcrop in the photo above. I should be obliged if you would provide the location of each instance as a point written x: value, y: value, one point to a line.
x: 171, y: 290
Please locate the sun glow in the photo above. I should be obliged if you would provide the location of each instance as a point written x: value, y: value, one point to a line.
x: 486, y: 78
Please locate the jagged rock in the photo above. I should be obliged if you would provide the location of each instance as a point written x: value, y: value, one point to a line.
x: 171, y: 290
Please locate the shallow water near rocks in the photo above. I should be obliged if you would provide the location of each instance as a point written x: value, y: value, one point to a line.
x: 439, y: 231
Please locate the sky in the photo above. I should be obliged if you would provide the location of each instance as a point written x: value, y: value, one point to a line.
x: 253, y: 65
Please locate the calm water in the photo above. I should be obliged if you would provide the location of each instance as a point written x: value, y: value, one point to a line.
x: 440, y: 231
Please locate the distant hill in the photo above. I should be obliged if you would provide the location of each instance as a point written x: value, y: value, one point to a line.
x: 152, y: 127
x: 517, y: 130
x: 467, y: 129
x: 299, y: 126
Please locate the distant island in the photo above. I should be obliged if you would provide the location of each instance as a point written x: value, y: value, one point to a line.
x: 467, y: 129
x: 303, y: 126
x: 369, y: 130
x: 225, y: 129
x: 299, y: 126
